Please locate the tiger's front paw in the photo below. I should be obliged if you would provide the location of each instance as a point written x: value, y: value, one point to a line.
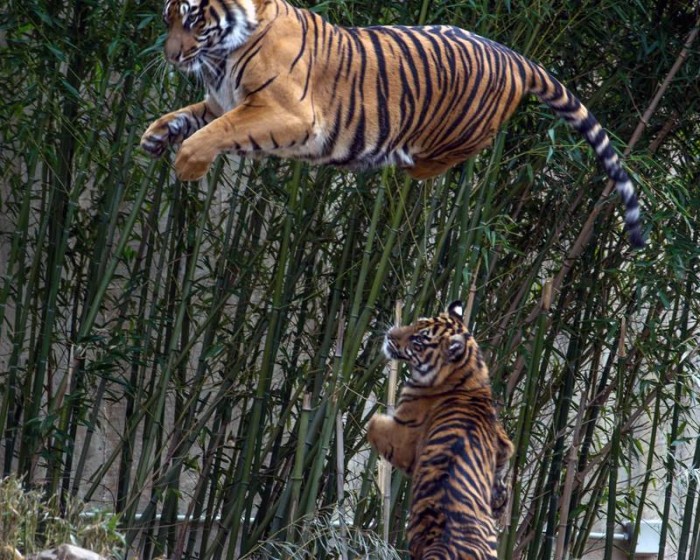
x: 168, y: 130
x: 193, y: 160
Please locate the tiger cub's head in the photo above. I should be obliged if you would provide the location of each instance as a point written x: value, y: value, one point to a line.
x: 435, y: 348
x: 201, y: 33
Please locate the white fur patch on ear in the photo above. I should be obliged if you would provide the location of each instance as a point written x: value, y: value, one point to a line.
x: 456, y: 308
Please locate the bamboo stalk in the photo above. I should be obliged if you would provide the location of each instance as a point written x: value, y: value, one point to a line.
x: 311, y: 490
x: 340, y: 466
x: 181, y: 335
x: 688, y: 509
x: 561, y: 414
x: 690, y: 288
x: 647, y: 477
x: 472, y: 295
x: 391, y: 402
x: 155, y: 433
x: 525, y: 423
x: 298, y: 475
x: 367, y: 254
x: 568, y: 486
x: 361, y: 324
x: 694, y: 548
x: 615, y: 444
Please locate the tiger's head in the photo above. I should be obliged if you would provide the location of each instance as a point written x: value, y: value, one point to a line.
x: 435, y: 348
x: 201, y: 33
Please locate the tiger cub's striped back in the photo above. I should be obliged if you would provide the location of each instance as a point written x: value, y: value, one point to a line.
x: 445, y: 435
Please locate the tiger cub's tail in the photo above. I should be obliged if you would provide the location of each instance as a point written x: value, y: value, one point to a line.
x: 567, y: 106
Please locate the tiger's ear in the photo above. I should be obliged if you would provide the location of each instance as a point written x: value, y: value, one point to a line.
x: 456, y: 310
x: 456, y: 347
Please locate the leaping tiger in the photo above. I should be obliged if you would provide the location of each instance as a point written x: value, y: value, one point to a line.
x: 445, y: 434
x: 282, y: 81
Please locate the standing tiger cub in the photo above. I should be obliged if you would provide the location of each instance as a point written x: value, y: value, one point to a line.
x: 282, y: 81
x: 445, y: 434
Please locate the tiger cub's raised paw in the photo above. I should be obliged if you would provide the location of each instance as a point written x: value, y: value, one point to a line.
x: 374, y: 431
x: 167, y: 131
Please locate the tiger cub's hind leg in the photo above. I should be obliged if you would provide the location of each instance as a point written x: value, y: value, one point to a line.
x: 500, y: 493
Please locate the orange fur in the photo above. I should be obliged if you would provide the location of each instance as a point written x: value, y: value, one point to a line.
x: 282, y: 81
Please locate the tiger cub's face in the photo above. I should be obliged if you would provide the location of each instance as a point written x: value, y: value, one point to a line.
x: 435, y: 347
x: 201, y: 33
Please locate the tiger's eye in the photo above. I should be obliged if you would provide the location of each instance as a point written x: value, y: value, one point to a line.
x: 417, y: 346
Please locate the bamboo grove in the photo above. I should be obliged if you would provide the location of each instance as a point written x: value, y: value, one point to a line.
x: 201, y: 358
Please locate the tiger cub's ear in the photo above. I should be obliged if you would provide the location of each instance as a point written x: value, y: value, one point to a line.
x: 456, y: 347
x: 456, y: 310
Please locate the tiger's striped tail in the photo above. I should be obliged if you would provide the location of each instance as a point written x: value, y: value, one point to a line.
x: 567, y: 106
